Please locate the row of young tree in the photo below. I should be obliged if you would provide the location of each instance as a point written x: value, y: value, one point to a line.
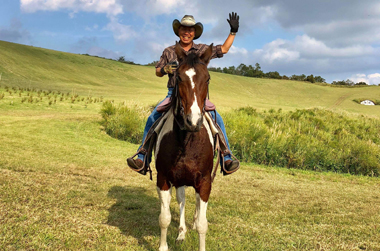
x: 256, y: 72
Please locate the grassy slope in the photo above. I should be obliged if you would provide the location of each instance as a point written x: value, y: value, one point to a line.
x: 64, y: 183
x: 40, y: 68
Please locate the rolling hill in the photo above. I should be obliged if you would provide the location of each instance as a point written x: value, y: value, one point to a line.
x: 27, y: 66
x: 65, y: 184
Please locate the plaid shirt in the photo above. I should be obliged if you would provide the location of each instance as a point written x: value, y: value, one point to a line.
x: 169, y: 55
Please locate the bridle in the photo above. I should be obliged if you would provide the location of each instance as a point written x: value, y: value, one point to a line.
x: 178, y: 101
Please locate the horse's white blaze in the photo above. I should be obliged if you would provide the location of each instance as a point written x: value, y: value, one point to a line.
x: 195, y: 110
x: 201, y: 222
x: 165, y: 216
x: 191, y: 73
x: 181, y: 199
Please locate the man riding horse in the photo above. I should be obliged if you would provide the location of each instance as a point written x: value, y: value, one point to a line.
x: 188, y: 30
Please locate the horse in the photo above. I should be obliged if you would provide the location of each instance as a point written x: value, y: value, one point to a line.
x: 184, y: 147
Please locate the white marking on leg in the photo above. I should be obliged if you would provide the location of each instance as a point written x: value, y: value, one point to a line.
x: 165, y: 216
x: 181, y: 199
x: 201, y: 222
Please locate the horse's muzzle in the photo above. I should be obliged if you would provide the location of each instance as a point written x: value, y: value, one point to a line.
x: 191, y: 125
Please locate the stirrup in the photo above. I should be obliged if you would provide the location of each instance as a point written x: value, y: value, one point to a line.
x: 132, y: 164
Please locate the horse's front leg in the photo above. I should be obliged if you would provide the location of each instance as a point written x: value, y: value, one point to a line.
x: 165, y: 216
x: 182, y: 224
x: 201, y: 219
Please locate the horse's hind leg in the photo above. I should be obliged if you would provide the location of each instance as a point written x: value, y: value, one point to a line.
x: 182, y: 224
x: 165, y: 216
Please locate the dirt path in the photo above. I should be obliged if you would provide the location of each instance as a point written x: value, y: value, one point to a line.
x: 339, y: 101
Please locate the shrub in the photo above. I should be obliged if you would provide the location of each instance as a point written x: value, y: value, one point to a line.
x: 311, y: 139
x: 122, y: 122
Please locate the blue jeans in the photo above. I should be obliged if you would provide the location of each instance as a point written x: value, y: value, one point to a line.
x: 156, y: 115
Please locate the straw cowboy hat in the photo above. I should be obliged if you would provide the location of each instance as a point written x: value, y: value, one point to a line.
x: 189, y: 21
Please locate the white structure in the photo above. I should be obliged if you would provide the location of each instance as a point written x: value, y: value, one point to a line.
x: 367, y: 102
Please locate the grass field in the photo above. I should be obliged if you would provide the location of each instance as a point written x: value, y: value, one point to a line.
x: 65, y: 185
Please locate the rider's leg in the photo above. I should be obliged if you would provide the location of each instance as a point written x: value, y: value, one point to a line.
x: 151, y: 119
x: 220, y: 122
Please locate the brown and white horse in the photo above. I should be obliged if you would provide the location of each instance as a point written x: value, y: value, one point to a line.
x: 184, y: 148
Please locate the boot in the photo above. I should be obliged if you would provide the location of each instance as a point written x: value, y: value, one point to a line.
x: 136, y: 165
x: 230, y: 166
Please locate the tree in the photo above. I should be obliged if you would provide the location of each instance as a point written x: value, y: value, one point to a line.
x: 361, y: 83
x: 121, y: 59
x: 273, y: 74
x: 258, y: 67
x: 310, y: 78
x: 319, y: 79
x: 349, y: 82
x: 153, y: 63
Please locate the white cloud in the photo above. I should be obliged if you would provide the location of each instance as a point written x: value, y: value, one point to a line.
x: 370, y: 79
x: 237, y: 50
x: 278, y: 50
x: 121, y: 32
x: 110, y: 7
x: 307, y: 48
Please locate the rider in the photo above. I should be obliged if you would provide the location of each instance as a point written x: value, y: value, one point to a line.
x: 188, y: 30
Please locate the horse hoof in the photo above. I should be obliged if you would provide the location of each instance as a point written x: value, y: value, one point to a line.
x: 181, y: 237
x: 179, y: 241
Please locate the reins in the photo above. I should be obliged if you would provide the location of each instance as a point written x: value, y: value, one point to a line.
x: 177, y: 97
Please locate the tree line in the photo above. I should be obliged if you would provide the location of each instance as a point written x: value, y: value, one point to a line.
x: 256, y: 72
x: 348, y: 82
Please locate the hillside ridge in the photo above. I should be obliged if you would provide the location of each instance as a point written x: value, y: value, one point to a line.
x: 28, y: 66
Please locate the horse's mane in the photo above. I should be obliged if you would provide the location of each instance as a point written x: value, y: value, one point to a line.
x: 192, y: 59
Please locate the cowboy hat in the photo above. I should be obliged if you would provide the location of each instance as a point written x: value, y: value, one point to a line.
x: 189, y: 21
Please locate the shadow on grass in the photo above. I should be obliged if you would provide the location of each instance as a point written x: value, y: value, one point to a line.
x: 136, y: 214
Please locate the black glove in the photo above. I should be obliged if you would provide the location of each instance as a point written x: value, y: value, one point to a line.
x: 234, y: 22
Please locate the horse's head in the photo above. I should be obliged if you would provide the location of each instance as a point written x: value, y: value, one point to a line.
x: 192, y: 86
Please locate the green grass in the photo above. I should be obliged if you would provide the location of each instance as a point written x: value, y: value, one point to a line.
x: 313, y: 139
x: 65, y: 185
x: 38, y: 68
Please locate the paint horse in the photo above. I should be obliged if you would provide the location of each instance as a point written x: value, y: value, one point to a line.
x: 184, y: 147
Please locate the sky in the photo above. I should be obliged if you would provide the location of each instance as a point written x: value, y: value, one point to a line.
x: 335, y: 39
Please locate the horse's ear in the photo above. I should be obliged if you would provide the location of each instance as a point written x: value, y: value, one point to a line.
x: 206, y: 56
x: 179, y: 51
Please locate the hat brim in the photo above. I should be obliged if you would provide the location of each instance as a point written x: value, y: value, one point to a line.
x: 198, y: 28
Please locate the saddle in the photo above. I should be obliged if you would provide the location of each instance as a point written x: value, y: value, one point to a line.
x: 220, y: 145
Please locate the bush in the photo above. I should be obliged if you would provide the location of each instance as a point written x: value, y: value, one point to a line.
x: 122, y: 122
x: 310, y: 139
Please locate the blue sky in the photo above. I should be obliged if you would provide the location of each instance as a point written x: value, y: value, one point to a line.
x: 337, y: 39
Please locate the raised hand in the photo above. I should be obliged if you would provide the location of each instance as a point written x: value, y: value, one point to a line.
x: 234, y: 22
